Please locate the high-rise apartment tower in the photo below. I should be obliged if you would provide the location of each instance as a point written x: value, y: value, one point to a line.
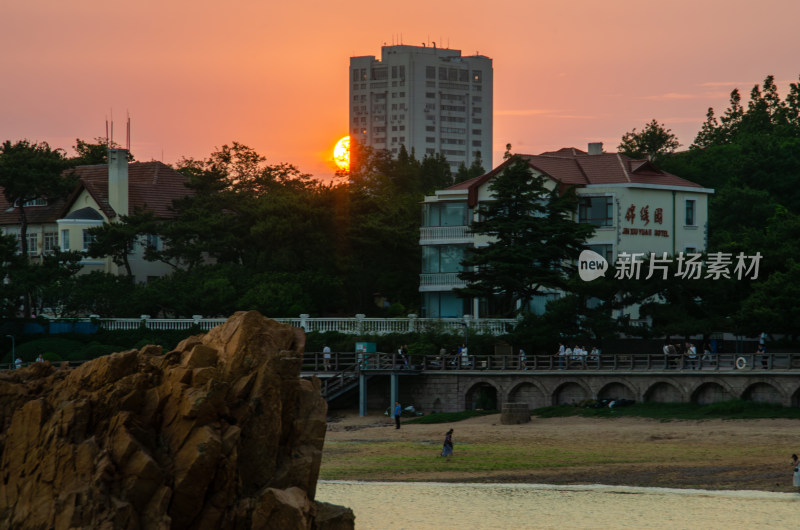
x: 429, y: 99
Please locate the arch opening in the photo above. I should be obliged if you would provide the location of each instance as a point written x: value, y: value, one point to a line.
x: 529, y: 394
x: 570, y: 394
x: 708, y: 393
x: 663, y: 393
x: 482, y: 396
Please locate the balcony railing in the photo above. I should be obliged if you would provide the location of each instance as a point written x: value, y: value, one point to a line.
x: 440, y: 234
x: 440, y: 281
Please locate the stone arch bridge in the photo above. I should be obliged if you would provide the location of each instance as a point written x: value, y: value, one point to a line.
x: 469, y: 383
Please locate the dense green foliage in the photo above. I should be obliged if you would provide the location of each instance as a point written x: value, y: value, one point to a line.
x: 652, y: 143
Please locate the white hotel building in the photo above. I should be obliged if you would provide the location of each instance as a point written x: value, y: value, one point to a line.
x: 429, y: 99
x: 635, y: 207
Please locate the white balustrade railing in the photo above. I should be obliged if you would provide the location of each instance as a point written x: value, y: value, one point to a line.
x: 428, y: 234
x: 358, y: 325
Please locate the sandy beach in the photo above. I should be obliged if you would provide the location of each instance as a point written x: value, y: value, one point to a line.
x: 708, y: 454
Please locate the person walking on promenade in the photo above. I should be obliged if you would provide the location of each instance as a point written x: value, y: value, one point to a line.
x: 561, y: 354
x: 523, y: 360
x: 397, y: 411
x: 796, y: 471
x: 326, y: 357
x: 447, y: 447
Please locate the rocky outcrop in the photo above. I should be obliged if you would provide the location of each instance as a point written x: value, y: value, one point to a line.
x: 219, y: 433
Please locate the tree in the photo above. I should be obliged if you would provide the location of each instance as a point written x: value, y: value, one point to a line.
x: 534, y: 239
x: 653, y: 142
x: 117, y: 239
x: 94, y: 153
x: 29, y: 172
x: 474, y: 170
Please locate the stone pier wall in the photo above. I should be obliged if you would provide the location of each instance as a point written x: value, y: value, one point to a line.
x: 455, y: 392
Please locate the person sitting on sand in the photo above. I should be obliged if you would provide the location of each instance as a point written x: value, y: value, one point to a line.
x: 447, y: 447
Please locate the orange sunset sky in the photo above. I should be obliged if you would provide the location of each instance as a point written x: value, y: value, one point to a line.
x: 274, y: 75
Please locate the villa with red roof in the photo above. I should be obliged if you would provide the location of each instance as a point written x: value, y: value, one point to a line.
x: 634, y: 206
x: 104, y: 193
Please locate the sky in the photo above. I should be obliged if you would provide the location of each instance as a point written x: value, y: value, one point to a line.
x: 195, y: 75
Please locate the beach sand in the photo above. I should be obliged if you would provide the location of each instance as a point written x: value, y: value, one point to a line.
x: 707, y: 454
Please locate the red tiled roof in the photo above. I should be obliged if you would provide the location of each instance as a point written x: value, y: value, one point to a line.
x: 151, y: 185
x: 572, y: 167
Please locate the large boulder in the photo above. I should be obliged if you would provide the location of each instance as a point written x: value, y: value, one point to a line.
x: 219, y: 433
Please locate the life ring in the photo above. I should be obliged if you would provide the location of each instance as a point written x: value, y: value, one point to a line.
x: 741, y: 363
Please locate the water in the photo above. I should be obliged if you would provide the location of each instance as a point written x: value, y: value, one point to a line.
x: 420, y: 506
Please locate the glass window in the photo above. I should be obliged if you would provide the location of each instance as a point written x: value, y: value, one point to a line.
x: 87, y: 239
x: 690, y: 212
x: 597, y: 211
x: 476, y: 76
x: 50, y: 242
x: 65, y: 240
x: 442, y: 73
x: 430, y: 72
x: 604, y: 250
x: 33, y: 243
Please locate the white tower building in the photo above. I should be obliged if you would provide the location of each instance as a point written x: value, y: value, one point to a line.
x: 429, y: 99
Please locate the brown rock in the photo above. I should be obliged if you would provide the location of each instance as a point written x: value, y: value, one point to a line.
x: 219, y: 433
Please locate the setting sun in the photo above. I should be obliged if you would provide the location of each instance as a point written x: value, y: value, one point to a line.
x: 341, y: 153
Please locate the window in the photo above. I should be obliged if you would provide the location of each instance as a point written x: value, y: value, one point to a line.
x: 604, y: 250
x: 87, y: 239
x: 33, y: 202
x: 442, y: 259
x: 597, y: 211
x: 476, y: 143
x: 476, y: 76
x: 430, y: 72
x: 477, y: 99
x: 33, y: 244
x: 446, y: 214
x: 380, y: 74
x: 463, y: 76
x: 153, y: 241
x: 65, y: 240
x: 394, y: 128
x: 476, y: 121
x: 430, y: 128
x: 476, y: 131
x: 430, y: 139
x: 477, y: 109
x: 430, y: 94
x: 49, y: 242
x: 691, y: 219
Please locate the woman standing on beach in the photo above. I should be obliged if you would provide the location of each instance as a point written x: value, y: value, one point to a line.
x: 796, y: 469
x: 447, y: 448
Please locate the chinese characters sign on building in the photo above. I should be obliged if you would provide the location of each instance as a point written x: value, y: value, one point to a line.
x: 644, y: 217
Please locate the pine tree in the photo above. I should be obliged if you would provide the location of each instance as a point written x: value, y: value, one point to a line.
x: 534, y: 240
